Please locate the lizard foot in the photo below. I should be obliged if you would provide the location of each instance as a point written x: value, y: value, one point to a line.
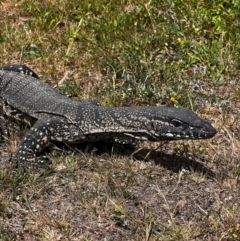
x: 35, y: 163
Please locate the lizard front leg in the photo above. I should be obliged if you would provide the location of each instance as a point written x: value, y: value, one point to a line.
x: 39, y: 136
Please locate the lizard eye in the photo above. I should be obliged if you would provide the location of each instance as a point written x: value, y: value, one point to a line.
x: 176, y: 123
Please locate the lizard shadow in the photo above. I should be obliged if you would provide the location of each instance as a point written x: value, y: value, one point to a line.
x: 173, y: 162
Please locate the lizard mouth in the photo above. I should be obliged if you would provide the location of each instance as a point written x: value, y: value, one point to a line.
x: 204, y: 132
x: 201, y: 134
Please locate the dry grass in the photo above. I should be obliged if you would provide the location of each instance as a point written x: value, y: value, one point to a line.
x: 146, y: 54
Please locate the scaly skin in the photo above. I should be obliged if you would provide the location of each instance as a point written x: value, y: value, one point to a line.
x: 59, y: 118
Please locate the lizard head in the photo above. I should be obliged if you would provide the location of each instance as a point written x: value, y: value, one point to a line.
x: 171, y: 123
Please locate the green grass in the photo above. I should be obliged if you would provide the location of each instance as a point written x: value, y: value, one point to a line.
x: 177, y: 53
